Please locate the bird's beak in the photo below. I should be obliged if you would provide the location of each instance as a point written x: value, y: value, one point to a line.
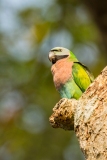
x: 51, y: 56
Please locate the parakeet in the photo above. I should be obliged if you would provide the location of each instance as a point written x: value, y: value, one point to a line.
x: 71, y: 78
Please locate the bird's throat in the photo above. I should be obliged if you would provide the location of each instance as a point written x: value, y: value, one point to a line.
x: 62, y: 72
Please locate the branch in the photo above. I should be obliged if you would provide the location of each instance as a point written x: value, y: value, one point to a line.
x: 63, y: 116
x: 88, y: 117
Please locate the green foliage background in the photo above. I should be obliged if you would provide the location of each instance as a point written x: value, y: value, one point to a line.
x: 28, y: 30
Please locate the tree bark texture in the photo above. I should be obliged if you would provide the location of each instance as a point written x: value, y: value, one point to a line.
x: 88, y: 118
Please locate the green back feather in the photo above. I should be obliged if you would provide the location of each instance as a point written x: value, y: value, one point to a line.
x: 88, y: 72
x: 81, y: 76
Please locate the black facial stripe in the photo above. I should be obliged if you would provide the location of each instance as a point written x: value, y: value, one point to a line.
x: 61, y: 56
x: 56, y: 50
x: 54, y: 60
x: 57, y: 57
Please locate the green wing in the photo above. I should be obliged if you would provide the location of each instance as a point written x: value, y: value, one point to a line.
x: 81, y: 76
x: 88, y: 71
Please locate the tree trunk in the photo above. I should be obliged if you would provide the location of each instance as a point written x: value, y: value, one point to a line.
x: 88, y: 118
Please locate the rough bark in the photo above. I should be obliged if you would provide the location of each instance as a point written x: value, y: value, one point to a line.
x: 88, y: 117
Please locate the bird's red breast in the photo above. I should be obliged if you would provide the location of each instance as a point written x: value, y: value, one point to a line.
x: 62, y: 72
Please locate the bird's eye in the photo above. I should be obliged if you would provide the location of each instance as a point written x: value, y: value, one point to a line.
x: 60, y: 50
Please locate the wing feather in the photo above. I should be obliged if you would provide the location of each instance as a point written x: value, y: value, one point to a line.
x: 81, y: 76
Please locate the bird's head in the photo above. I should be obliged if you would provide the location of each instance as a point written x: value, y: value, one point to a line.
x: 58, y: 53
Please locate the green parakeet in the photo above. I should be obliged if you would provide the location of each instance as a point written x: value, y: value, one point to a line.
x: 71, y: 78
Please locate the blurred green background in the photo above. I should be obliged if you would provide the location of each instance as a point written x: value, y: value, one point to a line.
x: 28, y: 30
